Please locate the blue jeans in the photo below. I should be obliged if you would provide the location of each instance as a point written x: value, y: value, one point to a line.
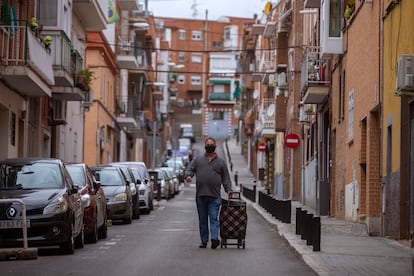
x: 208, y: 207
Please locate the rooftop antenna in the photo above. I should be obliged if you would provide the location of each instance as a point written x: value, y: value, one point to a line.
x: 194, y: 8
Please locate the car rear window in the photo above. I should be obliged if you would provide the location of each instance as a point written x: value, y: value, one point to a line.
x: 108, y: 177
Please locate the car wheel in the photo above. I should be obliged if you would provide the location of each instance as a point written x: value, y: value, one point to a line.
x: 129, y: 219
x: 103, y: 230
x: 68, y: 247
x: 80, y: 238
x: 93, y: 237
x: 151, y: 203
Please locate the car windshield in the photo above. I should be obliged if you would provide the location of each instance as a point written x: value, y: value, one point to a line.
x: 31, y: 176
x: 76, y: 173
x: 108, y: 177
x: 136, y: 174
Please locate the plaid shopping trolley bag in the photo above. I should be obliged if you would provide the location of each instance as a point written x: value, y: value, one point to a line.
x: 233, y: 221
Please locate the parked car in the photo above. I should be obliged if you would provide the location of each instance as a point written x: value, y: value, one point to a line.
x: 117, y: 192
x: 95, y: 216
x: 162, y: 182
x: 143, y: 171
x: 187, y: 132
x: 174, y: 177
x: 170, y: 180
x: 54, y: 207
x: 134, y: 186
x: 144, y: 191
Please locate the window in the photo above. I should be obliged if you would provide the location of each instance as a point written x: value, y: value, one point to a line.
x: 47, y: 12
x: 217, y: 44
x: 196, y: 58
x: 181, y: 56
x: 195, y: 80
x: 227, y: 33
x: 218, y: 115
x: 335, y: 18
x: 181, y: 79
x: 196, y: 35
x: 351, y: 115
x: 181, y: 34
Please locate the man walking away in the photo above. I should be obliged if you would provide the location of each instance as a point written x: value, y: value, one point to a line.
x: 211, y: 172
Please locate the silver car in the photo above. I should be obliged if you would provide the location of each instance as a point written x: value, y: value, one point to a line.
x: 163, y: 186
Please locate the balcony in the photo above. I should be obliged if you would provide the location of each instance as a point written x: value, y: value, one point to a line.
x: 125, y: 58
x: 27, y: 64
x: 92, y: 13
x: 127, y: 112
x: 64, y: 67
x: 128, y: 5
x: 315, y: 77
x: 270, y: 29
x: 257, y: 29
x: 220, y: 98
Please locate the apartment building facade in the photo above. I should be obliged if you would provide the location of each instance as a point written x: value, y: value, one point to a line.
x: 353, y: 106
x: 202, y: 65
x: 43, y: 50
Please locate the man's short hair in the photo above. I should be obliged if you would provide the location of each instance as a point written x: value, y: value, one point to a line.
x: 210, y: 138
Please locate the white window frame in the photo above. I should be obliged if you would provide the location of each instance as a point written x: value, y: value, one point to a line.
x: 181, y: 34
x: 181, y: 79
x: 196, y: 35
x: 181, y: 56
x: 195, y: 80
x: 196, y: 58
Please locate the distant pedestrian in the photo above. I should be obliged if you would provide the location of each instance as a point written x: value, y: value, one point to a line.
x: 211, y: 172
x: 236, y: 178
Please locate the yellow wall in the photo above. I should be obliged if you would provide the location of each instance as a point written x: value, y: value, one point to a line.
x: 398, y: 39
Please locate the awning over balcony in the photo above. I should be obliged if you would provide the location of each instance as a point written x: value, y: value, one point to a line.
x: 219, y: 81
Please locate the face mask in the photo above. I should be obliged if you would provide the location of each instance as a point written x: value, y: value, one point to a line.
x: 210, y: 149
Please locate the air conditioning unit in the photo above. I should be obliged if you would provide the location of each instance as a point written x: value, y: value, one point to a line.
x: 405, y: 75
x: 281, y: 79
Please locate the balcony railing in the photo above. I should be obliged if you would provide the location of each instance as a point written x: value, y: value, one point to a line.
x: 23, y: 53
x: 64, y: 64
x: 219, y: 97
x: 316, y: 76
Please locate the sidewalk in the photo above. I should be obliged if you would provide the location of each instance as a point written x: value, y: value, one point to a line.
x: 346, y: 249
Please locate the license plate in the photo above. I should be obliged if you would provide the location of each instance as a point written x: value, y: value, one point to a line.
x: 8, y: 224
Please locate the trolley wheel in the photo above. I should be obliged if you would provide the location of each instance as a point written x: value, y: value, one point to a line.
x: 244, y: 244
x: 238, y: 243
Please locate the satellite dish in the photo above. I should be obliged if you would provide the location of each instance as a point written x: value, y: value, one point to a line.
x: 271, y: 110
x: 255, y: 94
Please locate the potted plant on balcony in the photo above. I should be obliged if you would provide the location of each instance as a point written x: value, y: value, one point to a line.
x: 47, y: 41
x: 84, y: 79
x: 35, y: 27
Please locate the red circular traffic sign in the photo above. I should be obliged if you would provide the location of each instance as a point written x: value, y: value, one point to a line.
x: 292, y: 140
x: 261, y: 147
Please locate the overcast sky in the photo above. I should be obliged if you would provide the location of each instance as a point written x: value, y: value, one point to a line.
x: 216, y: 8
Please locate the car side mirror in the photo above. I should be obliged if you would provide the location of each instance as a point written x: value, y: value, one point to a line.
x: 75, y: 189
x: 98, y: 185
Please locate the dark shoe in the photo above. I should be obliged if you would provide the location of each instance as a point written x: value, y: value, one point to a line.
x: 203, y: 245
x: 215, y: 244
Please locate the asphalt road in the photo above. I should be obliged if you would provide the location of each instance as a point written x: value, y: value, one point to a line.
x: 165, y: 242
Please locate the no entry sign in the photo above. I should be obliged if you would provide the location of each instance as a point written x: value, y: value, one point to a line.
x: 292, y: 140
x: 261, y: 147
